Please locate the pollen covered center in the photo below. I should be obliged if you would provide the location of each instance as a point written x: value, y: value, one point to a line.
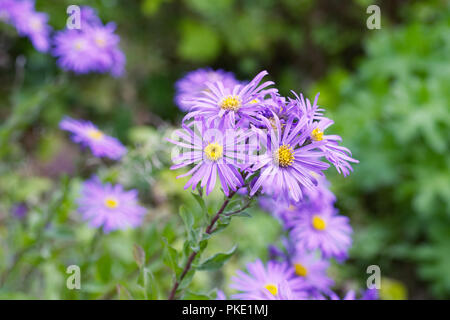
x: 36, y: 24
x: 213, y: 151
x: 317, y: 134
x: 78, y: 45
x: 111, y: 203
x: 300, y: 270
x: 231, y: 103
x: 318, y: 223
x: 284, y: 156
x: 95, y: 134
x: 271, y: 288
x: 100, y: 41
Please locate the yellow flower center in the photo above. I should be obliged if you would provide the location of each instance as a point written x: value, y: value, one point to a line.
x: 232, y: 103
x: 284, y: 156
x: 79, y: 45
x: 36, y: 24
x: 254, y: 101
x: 300, y: 270
x: 317, y: 135
x: 318, y: 223
x: 95, y: 134
x: 100, y: 42
x: 213, y: 151
x: 271, y: 288
x: 111, y: 203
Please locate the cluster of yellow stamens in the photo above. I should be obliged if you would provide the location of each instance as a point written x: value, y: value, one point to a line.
x: 95, y: 134
x: 213, y: 151
x: 111, y: 203
x: 284, y: 156
x: 100, y: 41
x: 231, y: 103
x: 317, y: 134
x: 78, y: 45
x: 318, y: 223
x: 271, y: 288
x: 300, y: 270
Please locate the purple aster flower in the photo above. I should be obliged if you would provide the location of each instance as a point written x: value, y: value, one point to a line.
x: 220, y: 295
x: 29, y: 23
x: 264, y: 283
x: 230, y: 104
x: 89, y: 17
x: 338, y: 155
x: 213, y: 151
x: 371, y: 294
x: 110, y: 206
x: 350, y: 295
x: 93, y: 48
x: 288, y: 165
x: 75, y: 51
x: 324, y: 230
x: 192, y: 84
x: 88, y: 135
x: 310, y: 267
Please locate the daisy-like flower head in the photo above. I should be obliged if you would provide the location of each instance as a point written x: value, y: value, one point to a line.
x: 242, y: 102
x: 326, y: 231
x: 194, y: 83
x: 303, y: 107
x: 289, y: 164
x: 213, y: 151
x: 29, y: 23
x: 93, y: 48
x: 88, y: 135
x: 272, y: 282
x: 75, y: 51
x: 337, y: 155
x: 110, y: 206
x: 310, y: 267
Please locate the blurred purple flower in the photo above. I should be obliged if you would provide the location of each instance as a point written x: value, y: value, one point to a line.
x: 110, y: 206
x: 324, y: 230
x: 194, y: 83
x: 88, y: 135
x: 29, y: 23
x: 93, y: 48
x: 310, y: 267
x: 264, y: 282
x: 19, y: 210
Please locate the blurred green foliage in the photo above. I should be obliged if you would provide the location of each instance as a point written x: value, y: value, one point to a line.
x: 394, y: 113
x: 387, y: 90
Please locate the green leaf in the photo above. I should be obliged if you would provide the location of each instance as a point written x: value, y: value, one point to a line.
x: 148, y: 284
x: 217, y: 260
x: 187, y: 217
x: 171, y: 257
x: 199, y: 42
x: 201, y: 202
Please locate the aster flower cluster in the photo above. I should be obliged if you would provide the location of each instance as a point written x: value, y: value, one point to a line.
x: 259, y: 143
x: 249, y: 131
x: 92, y: 48
x: 316, y: 233
x: 104, y: 205
x: 193, y: 84
x: 29, y: 23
